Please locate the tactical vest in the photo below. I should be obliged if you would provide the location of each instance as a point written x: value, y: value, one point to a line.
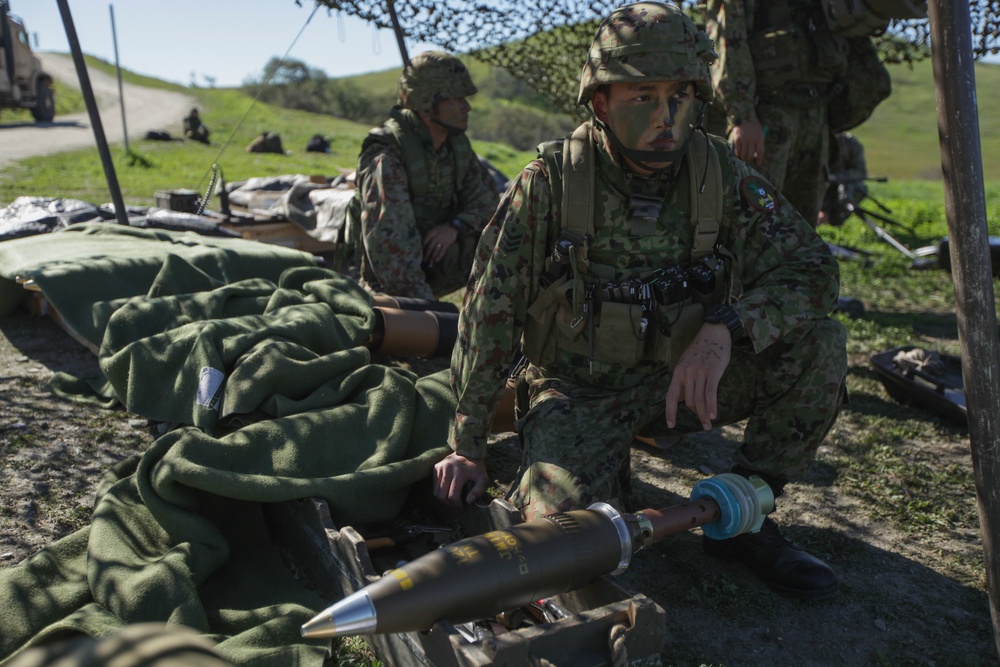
x: 434, y: 201
x: 791, y: 43
x: 623, y: 299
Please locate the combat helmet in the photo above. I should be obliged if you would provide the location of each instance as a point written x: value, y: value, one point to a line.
x: 648, y: 40
x: 431, y: 76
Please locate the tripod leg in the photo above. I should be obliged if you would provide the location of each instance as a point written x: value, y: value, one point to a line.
x: 882, y: 234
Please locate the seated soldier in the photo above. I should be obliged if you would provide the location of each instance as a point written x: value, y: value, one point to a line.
x: 422, y: 198
x: 194, y: 128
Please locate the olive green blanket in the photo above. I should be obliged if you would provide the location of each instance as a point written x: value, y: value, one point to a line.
x: 278, y: 399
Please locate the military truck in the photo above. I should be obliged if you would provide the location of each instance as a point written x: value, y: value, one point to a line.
x: 23, y: 84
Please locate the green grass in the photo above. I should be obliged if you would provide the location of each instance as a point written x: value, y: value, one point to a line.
x: 234, y: 120
x: 901, y: 137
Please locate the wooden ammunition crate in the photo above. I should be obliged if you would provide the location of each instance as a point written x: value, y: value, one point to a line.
x: 285, y: 234
x: 338, y: 562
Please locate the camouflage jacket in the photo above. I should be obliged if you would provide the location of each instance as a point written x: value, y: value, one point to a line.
x: 804, y: 50
x: 392, y: 234
x: 785, y: 272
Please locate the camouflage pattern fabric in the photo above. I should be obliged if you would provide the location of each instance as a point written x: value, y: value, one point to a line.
x: 432, y: 76
x: 796, y: 149
x: 194, y: 128
x: 577, y: 438
x: 786, y: 282
x: 794, y: 117
x: 391, y: 231
x: 848, y: 170
x: 641, y: 41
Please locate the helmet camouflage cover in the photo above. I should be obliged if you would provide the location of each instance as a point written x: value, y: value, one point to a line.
x: 648, y: 41
x: 432, y: 76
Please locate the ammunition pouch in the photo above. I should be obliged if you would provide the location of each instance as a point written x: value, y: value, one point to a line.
x: 675, y: 327
x: 615, y: 328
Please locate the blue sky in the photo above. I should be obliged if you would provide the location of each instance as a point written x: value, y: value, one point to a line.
x: 184, y: 41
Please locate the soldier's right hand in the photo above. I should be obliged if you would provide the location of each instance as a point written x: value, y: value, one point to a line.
x: 459, y: 481
x: 747, y: 140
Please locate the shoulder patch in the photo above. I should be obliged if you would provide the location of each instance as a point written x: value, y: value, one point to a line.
x: 759, y: 194
x: 510, y: 241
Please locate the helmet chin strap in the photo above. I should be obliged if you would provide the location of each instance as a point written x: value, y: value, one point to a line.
x: 450, y: 129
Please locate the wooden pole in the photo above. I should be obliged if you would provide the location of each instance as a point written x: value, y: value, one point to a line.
x: 965, y: 207
x: 95, y: 115
x: 400, y: 36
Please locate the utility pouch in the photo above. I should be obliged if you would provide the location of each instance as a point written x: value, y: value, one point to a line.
x: 676, y: 327
x: 621, y: 334
x: 831, y: 55
x: 541, y: 316
x: 570, y: 320
x: 708, y: 279
x: 780, y: 57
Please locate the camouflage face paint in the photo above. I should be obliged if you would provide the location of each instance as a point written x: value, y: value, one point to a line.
x: 655, y: 116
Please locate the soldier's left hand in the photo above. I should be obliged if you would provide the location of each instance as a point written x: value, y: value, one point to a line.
x: 696, y: 377
x: 437, y: 242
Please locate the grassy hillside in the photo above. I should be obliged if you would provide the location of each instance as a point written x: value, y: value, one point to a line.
x: 234, y: 120
x: 901, y: 137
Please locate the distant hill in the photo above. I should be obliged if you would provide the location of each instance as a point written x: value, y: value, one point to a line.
x: 901, y: 137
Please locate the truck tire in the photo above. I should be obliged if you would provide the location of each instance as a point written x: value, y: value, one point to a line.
x: 45, y: 105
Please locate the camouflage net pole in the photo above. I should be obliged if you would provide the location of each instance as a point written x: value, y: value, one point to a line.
x: 522, y: 38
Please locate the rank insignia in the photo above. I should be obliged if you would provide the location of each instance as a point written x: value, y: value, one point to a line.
x: 759, y: 194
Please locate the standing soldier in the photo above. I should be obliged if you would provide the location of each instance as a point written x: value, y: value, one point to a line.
x: 422, y: 198
x: 657, y: 285
x: 778, y: 62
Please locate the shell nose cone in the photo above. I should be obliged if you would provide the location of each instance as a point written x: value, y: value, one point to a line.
x: 354, y: 615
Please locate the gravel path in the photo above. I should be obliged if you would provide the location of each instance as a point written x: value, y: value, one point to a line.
x: 145, y: 109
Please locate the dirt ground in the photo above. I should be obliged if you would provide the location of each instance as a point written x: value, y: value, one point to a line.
x: 901, y: 602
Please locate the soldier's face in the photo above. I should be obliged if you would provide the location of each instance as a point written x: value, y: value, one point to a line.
x: 648, y: 116
x: 451, y: 113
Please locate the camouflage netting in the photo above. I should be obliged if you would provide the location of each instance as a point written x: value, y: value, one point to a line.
x: 545, y: 45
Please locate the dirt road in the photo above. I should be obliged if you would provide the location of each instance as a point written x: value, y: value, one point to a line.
x: 145, y: 109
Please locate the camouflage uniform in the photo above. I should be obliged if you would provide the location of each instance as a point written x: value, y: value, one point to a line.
x: 847, y: 173
x: 194, y: 128
x: 393, y: 220
x: 788, y: 98
x: 578, y: 424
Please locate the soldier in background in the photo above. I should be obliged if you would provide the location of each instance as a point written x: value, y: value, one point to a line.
x: 194, y: 128
x: 422, y: 198
x: 266, y: 142
x: 846, y: 177
x: 587, y: 285
x: 778, y: 61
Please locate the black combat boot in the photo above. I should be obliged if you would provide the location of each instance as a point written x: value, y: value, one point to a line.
x: 780, y: 563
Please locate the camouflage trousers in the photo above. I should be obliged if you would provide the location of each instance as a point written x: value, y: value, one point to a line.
x: 796, y: 149
x: 452, y: 272
x: 443, y: 277
x: 577, y: 438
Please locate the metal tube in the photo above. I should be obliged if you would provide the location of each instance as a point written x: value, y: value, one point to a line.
x: 95, y: 116
x: 118, y: 69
